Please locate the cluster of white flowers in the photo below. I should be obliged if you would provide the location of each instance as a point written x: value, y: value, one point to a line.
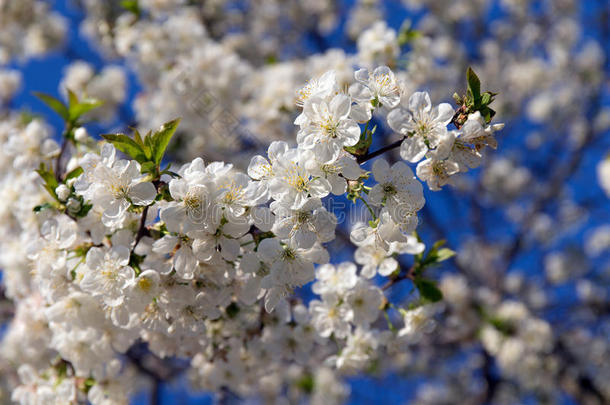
x: 185, y: 261
x: 446, y: 152
x: 29, y: 29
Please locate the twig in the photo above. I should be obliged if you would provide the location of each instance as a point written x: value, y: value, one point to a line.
x: 372, y: 155
x: 142, y: 229
x: 395, y: 280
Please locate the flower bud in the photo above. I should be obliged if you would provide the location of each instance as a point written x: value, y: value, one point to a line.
x: 80, y: 134
x: 73, y: 205
x: 63, y: 192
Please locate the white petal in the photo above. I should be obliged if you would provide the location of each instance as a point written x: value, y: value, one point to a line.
x: 173, y: 216
x: 350, y: 131
x: 376, y: 194
x: 184, y: 262
x: 420, y: 102
x: 362, y: 75
x: 445, y: 113
x: 360, y: 93
x: 178, y: 188
x: 361, y: 112
x: 304, y: 238
x: 413, y: 149
x: 142, y: 193
x: 381, y: 171
x: 340, y: 105
x: 350, y: 169
x: 398, y: 120
x: 388, y: 266
x: 269, y: 249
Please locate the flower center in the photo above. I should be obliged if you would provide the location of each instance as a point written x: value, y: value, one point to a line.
x: 389, y: 189
x: 192, y: 201
x: 144, y: 284
x: 303, y: 216
x: 289, y: 254
x: 330, y: 127
x: 233, y: 194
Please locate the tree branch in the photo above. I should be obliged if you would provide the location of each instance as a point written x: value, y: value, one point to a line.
x: 372, y: 155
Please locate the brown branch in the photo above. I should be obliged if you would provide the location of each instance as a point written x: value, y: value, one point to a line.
x: 142, y: 231
x: 397, y: 279
x: 372, y: 155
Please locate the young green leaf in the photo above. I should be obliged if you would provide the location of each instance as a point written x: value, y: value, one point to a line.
x: 127, y: 145
x: 444, y: 254
x: 55, y: 104
x: 428, y: 290
x: 132, y: 6
x: 50, y: 182
x: 474, y: 85
x: 161, y: 138
x: 486, y: 98
x: 363, y: 145
x: 148, y: 167
x: 41, y: 207
x: 407, y: 33
x: 74, y: 173
x: 82, y: 107
x: 72, y: 99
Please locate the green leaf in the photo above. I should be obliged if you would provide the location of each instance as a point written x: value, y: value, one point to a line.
x: 161, y: 139
x: 487, y: 113
x: 81, y: 250
x: 88, y: 384
x: 143, y: 142
x: 137, y: 137
x: 170, y: 173
x: 50, y: 182
x: 363, y: 145
x: 41, y: 207
x: 306, y: 383
x: 72, y: 99
x: 486, y: 98
x: 428, y: 290
x: 83, y: 107
x: 431, y: 256
x: 474, y: 85
x: 444, y: 254
x: 55, y: 104
x: 148, y: 167
x: 84, y: 210
x: 127, y: 145
x: 132, y: 6
x: 74, y: 173
x: 407, y: 33
x: 503, y: 326
x: 148, y: 145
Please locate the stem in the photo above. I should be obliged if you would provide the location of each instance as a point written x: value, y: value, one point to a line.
x: 371, y: 155
x: 387, y: 318
x: 64, y: 147
x: 142, y: 229
x: 155, y: 395
x: 62, y: 151
x: 399, y: 278
x: 369, y: 207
